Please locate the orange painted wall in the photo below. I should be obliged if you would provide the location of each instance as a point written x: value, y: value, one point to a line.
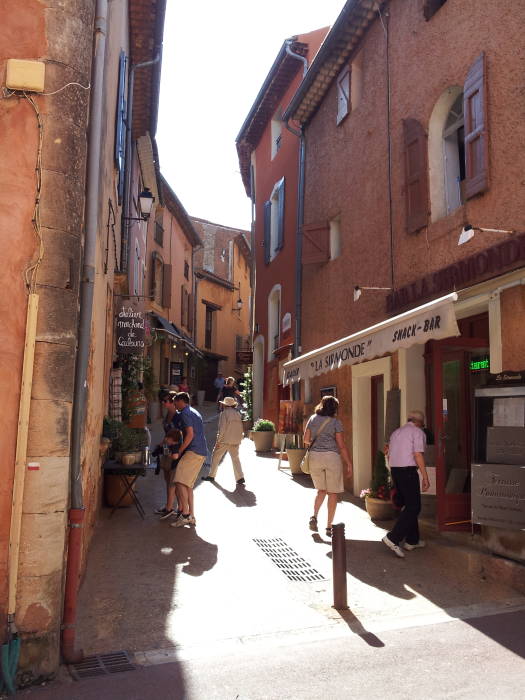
x: 18, y: 148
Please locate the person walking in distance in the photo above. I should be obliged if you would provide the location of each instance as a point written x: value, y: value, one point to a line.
x: 229, y: 437
x: 191, y: 455
x: 218, y: 383
x: 406, y: 456
x: 324, y: 436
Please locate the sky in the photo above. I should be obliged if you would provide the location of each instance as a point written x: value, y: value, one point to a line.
x: 216, y: 56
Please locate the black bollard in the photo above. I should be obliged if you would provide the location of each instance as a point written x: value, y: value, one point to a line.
x: 339, y: 566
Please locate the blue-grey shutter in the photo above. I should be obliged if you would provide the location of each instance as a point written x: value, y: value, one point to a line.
x: 280, y: 215
x: 120, y: 124
x: 267, y: 230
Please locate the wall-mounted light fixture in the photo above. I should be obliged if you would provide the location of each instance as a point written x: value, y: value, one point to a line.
x: 146, y: 200
x: 239, y: 302
x: 467, y: 232
x: 358, y: 290
x: 174, y: 346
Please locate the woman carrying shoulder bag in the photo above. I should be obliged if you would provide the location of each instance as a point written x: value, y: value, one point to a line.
x: 324, y: 438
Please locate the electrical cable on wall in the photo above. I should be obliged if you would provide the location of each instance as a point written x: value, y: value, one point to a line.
x: 30, y: 274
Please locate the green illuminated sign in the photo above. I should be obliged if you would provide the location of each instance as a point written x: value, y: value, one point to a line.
x: 476, y: 365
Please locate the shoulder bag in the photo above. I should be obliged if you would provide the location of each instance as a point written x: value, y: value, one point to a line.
x: 305, y: 464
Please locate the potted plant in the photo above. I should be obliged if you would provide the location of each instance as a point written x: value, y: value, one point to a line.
x: 295, y: 453
x: 263, y: 434
x: 377, y: 496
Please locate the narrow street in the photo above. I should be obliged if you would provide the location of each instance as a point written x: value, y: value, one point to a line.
x: 173, y: 598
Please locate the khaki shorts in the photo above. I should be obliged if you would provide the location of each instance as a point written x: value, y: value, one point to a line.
x: 188, y: 468
x: 326, y: 470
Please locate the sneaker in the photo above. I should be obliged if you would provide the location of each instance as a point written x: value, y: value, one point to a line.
x: 394, y: 547
x: 312, y: 524
x: 167, y: 514
x: 207, y: 478
x: 184, y: 520
x: 419, y: 544
x: 241, y: 481
x: 160, y: 511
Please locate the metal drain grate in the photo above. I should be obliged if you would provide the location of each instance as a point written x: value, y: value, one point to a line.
x: 102, y: 665
x: 291, y: 564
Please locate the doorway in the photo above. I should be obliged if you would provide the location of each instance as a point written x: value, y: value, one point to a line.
x: 450, y: 392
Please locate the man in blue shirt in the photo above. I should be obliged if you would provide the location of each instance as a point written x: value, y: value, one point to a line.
x: 191, y: 455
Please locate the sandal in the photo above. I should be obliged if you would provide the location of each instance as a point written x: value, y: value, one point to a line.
x: 329, y: 531
x: 313, y: 523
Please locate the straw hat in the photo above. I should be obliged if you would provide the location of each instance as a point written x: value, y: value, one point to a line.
x: 229, y: 401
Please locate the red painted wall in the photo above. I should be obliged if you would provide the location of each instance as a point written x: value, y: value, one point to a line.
x: 281, y: 269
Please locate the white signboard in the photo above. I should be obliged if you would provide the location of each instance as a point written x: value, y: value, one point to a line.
x: 434, y: 320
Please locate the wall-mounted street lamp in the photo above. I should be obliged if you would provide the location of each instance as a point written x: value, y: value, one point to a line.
x: 239, y: 302
x: 467, y: 232
x: 146, y: 200
x: 358, y: 290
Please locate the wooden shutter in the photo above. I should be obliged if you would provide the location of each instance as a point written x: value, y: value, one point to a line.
x: 267, y: 230
x: 166, y: 286
x: 120, y: 124
x: 316, y: 243
x: 416, y: 176
x: 190, y: 313
x: 476, y: 132
x: 280, y: 215
x: 182, y: 306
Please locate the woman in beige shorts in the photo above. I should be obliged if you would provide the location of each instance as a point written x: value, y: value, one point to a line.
x: 324, y: 436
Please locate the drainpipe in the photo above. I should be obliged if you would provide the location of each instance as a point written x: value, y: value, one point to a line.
x: 76, y: 510
x: 289, y: 51
x: 126, y: 209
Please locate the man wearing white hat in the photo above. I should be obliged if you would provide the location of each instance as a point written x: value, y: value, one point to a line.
x: 229, y: 437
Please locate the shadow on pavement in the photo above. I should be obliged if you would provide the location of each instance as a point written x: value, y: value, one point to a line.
x: 241, y: 497
x: 353, y: 623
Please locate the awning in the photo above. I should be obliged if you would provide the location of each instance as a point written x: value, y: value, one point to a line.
x: 430, y: 321
x: 165, y: 325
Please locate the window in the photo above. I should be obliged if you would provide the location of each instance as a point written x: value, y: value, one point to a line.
x: 274, y: 222
x: 158, y: 234
x: 186, y: 270
x: 208, y: 327
x: 458, y: 143
x: 184, y: 315
x: 157, y: 282
x: 276, y: 129
x: 430, y: 7
x: 120, y: 125
x: 343, y: 94
x: 335, y: 238
x: 454, y: 155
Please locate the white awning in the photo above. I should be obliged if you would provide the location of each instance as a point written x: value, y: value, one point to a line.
x: 430, y: 321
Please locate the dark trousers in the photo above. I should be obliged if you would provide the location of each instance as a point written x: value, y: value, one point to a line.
x: 406, y: 481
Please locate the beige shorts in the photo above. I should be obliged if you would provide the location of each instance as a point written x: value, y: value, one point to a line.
x: 188, y: 468
x: 326, y: 470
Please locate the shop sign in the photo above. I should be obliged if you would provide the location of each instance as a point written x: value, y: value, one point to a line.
x: 476, y: 268
x: 130, y: 329
x: 498, y: 495
x: 244, y: 357
x: 387, y: 337
x: 479, y: 363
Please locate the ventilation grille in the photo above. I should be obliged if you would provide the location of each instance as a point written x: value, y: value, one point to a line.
x: 291, y: 564
x: 102, y: 665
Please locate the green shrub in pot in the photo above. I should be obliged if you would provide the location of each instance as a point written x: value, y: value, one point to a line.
x: 264, y: 426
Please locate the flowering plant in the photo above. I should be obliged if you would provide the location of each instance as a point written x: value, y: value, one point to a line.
x: 380, y: 485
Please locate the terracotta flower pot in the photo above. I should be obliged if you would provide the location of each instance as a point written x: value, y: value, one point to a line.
x: 263, y: 440
x: 379, y: 509
x: 295, y: 457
